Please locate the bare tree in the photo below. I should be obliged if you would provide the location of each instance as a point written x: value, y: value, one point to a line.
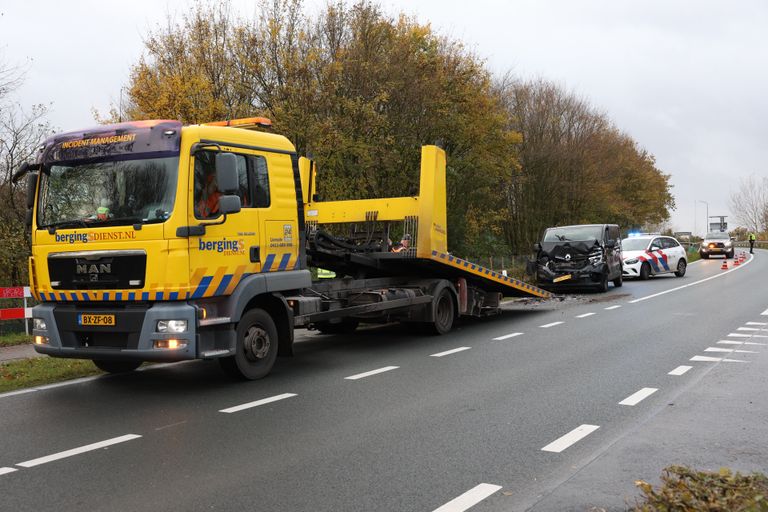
x: 749, y: 203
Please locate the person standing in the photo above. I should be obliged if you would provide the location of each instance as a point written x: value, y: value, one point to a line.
x: 752, y: 243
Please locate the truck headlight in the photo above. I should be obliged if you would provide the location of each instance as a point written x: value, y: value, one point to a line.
x: 39, y: 324
x: 171, y: 326
x: 631, y: 261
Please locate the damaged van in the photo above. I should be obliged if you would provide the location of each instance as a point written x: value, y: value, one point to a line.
x: 583, y: 256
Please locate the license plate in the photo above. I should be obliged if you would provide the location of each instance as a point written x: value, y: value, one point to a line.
x: 86, y: 319
x: 561, y: 278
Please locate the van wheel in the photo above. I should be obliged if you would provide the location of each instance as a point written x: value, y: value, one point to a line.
x: 256, y: 348
x: 116, y: 366
x: 618, y: 281
x: 603, y: 286
x: 443, y: 308
x: 645, y: 271
x: 681, y: 267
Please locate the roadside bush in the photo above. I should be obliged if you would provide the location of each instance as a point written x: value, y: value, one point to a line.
x: 685, y: 489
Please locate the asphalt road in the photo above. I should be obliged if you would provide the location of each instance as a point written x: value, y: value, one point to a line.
x: 511, y: 410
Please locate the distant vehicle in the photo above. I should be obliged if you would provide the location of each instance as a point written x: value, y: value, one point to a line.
x: 649, y: 255
x: 587, y: 255
x: 716, y: 242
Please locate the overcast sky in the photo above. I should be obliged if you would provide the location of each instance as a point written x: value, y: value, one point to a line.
x: 687, y: 79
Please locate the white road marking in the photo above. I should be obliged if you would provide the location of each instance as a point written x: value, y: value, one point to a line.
x: 372, y: 372
x: 694, y: 284
x: 545, y: 326
x: 756, y: 323
x: 257, y: 403
x: 680, y: 370
x: 764, y: 313
x: 78, y: 451
x: 730, y: 342
x: 449, y: 352
x: 720, y: 349
x: 612, y: 307
x: 585, y: 315
x: 18, y: 392
x: 469, y: 499
x: 507, y: 336
x: 572, y: 437
x: 707, y: 359
x: 5, y: 471
x: 756, y: 329
x: 742, y: 335
x: 638, y: 397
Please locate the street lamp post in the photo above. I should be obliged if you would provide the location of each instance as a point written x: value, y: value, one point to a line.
x: 706, y: 224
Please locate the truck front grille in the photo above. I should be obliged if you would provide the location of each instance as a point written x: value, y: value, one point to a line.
x: 97, y: 270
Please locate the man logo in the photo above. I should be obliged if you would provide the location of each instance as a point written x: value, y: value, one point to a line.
x: 101, y: 268
x: 568, y: 257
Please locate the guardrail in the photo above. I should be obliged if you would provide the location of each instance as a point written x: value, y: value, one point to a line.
x: 22, y: 313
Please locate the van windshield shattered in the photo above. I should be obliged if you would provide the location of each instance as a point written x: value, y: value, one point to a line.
x: 574, y: 234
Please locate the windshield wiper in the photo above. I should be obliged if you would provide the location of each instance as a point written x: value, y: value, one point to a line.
x: 64, y: 224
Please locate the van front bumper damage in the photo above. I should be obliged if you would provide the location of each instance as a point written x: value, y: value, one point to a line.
x: 130, y: 332
x: 552, y: 276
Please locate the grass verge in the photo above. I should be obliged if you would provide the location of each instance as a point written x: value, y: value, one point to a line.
x: 15, y: 338
x: 25, y: 373
x: 684, y: 489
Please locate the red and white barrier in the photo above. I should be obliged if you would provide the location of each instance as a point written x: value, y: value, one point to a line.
x: 22, y: 313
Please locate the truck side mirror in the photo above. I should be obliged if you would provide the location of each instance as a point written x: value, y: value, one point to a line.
x: 226, y: 173
x: 229, y: 204
x: 31, y: 188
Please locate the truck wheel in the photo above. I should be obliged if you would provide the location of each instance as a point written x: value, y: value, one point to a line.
x: 681, y: 266
x: 443, y: 312
x: 347, y: 325
x: 645, y: 271
x: 256, y: 348
x: 116, y: 366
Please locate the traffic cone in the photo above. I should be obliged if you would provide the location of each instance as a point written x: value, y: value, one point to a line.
x: 736, y: 262
x: 725, y: 265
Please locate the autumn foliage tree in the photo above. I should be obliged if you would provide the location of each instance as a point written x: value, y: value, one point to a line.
x: 362, y: 90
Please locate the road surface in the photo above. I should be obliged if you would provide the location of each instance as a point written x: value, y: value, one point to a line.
x: 550, y: 406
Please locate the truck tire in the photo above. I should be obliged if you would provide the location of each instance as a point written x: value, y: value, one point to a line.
x: 256, y: 348
x: 347, y: 325
x: 116, y: 366
x: 444, y: 311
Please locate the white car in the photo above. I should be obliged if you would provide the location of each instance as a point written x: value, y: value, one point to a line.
x: 649, y: 255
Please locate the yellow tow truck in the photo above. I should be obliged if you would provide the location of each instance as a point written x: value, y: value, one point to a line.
x: 153, y: 241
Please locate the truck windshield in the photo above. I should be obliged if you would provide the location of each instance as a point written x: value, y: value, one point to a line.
x: 112, y: 193
x: 574, y: 234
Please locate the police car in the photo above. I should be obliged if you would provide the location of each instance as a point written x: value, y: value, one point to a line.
x: 649, y: 255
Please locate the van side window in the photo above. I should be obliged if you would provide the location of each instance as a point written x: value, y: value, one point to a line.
x: 260, y: 181
x: 613, y: 233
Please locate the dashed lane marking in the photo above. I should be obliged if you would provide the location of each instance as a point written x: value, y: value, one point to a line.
x: 77, y: 451
x: 757, y: 329
x: 764, y: 313
x: 507, y: 336
x: 733, y: 350
x: 5, y: 471
x: 680, y: 370
x: 449, y: 352
x: 572, y: 437
x: 546, y: 326
x: 708, y: 359
x: 742, y: 335
x: 469, y: 499
x: 585, y: 315
x: 756, y: 323
x: 257, y: 403
x: 612, y: 307
x: 638, y: 397
x: 372, y: 372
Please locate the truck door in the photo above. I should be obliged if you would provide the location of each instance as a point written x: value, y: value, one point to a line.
x: 228, y: 251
